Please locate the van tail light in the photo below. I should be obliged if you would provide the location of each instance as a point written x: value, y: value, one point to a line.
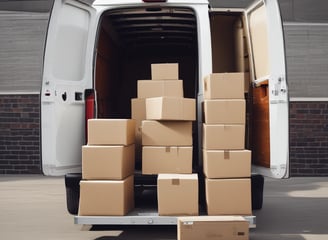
x: 89, y: 109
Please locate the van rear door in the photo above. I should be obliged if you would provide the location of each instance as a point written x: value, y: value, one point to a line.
x: 269, y: 133
x: 67, y: 72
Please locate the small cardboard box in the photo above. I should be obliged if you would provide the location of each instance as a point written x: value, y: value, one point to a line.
x: 166, y: 133
x: 160, y: 88
x: 111, y: 131
x: 227, y: 163
x: 165, y: 71
x: 177, y: 194
x: 171, y: 108
x: 106, y: 197
x: 219, y: 111
x: 224, y: 85
x: 213, y: 227
x: 138, y: 109
x: 107, y: 162
x: 222, y: 137
x: 228, y: 196
x: 157, y: 160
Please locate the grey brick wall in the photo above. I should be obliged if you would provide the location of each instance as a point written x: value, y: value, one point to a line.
x: 20, y: 134
x: 308, y: 138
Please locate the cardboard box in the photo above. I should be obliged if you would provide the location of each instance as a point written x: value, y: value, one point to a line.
x: 171, y: 108
x: 107, y: 162
x: 219, y: 111
x: 138, y: 109
x: 213, y: 227
x: 160, y: 88
x: 224, y: 85
x: 106, y: 197
x: 165, y: 71
x: 177, y: 194
x: 227, y: 163
x: 222, y: 137
x: 228, y: 196
x: 157, y: 160
x: 111, y: 131
x: 166, y: 133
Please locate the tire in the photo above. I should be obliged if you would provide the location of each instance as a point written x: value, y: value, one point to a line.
x: 257, y: 185
x: 72, y: 184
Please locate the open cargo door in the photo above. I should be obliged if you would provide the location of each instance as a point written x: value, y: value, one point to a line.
x: 270, y: 133
x: 67, y: 73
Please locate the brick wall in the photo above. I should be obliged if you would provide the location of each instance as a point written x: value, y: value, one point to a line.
x: 20, y: 134
x: 308, y: 138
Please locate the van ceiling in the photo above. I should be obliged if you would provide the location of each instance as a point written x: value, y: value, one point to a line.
x: 154, y: 26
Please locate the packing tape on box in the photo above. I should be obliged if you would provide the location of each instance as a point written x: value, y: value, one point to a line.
x: 175, y: 181
x: 167, y: 149
x: 226, y: 154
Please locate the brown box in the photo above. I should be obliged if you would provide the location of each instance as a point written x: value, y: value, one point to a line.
x: 138, y: 109
x: 228, y: 196
x: 222, y: 137
x: 171, y: 108
x: 219, y: 111
x: 224, y: 85
x: 111, y: 131
x: 177, y: 194
x: 107, y: 197
x: 165, y: 71
x: 213, y: 227
x: 107, y: 162
x: 227, y: 163
x: 166, y: 133
x: 157, y: 160
x: 160, y: 88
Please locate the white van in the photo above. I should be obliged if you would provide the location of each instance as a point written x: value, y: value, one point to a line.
x: 97, y: 50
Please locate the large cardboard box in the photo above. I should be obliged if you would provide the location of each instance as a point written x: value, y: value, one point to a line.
x: 224, y: 85
x: 138, y: 113
x: 227, y: 163
x: 171, y: 108
x: 106, y: 197
x: 157, y: 160
x: 229, y: 111
x: 164, y: 71
x: 220, y: 137
x: 111, y: 131
x: 166, y: 133
x: 228, y: 196
x: 177, y: 194
x: 107, y: 162
x: 160, y: 88
x: 213, y: 227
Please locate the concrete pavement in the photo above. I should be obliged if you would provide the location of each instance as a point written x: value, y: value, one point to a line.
x: 34, y: 207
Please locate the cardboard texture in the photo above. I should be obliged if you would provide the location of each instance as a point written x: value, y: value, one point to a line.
x: 106, y: 198
x: 157, y: 160
x: 165, y: 71
x: 222, y: 137
x: 213, y: 227
x: 219, y: 111
x: 177, y: 194
x: 111, y: 131
x: 160, y: 88
x: 224, y: 86
x: 107, y: 162
x: 227, y: 163
x: 166, y: 133
x: 228, y: 196
x: 171, y: 108
x: 138, y: 113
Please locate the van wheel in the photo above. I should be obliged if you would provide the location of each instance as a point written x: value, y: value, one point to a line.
x: 72, y: 184
x: 257, y: 184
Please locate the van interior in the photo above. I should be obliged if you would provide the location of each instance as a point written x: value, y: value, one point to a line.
x: 131, y: 39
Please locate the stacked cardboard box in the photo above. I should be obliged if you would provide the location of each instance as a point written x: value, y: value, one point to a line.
x: 165, y: 117
x: 107, y: 187
x: 225, y: 161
